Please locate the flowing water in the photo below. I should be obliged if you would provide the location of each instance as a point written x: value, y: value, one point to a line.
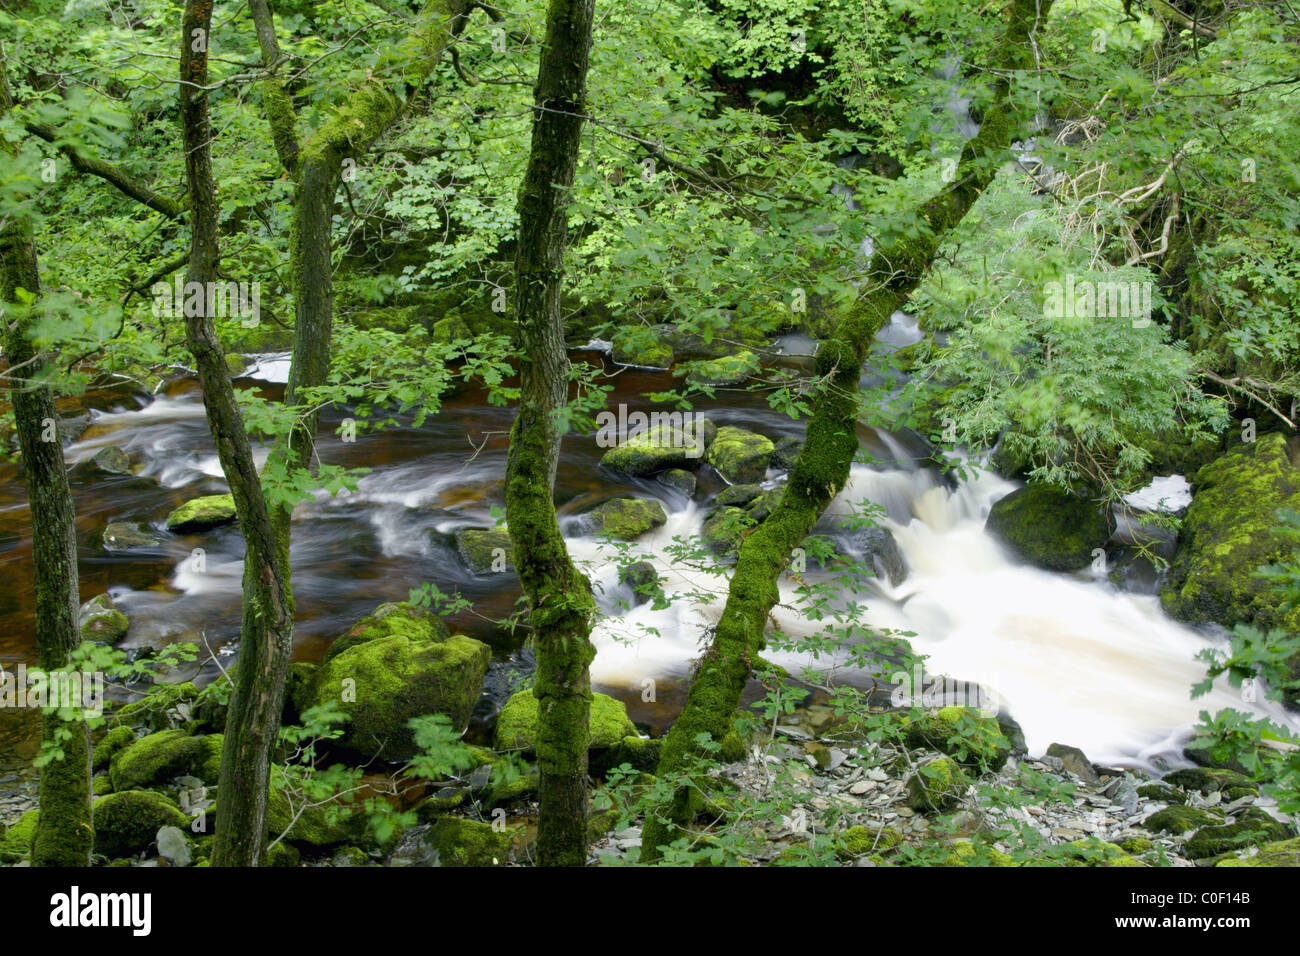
x: 1072, y: 658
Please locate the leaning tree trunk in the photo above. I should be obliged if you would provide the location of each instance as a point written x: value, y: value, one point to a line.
x: 266, y: 635
x: 823, y: 465
x: 64, y: 834
x: 559, y: 595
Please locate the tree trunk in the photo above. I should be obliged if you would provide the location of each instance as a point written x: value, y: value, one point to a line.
x: 823, y: 465
x: 266, y: 635
x: 559, y: 595
x: 64, y: 834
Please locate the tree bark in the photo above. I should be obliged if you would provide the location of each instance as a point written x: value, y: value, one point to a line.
x: 831, y: 443
x: 559, y: 595
x: 266, y: 634
x: 64, y: 832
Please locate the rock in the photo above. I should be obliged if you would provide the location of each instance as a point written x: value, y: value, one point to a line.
x: 235, y: 364
x: 937, y: 785
x: 312, y: 827
x: 1229, y: 532
x: 642, y: 347
x: 391, y: 620
x: 678, y: 480
x: 859, y: 840
x: 449, y: 329
x: 112, y: 460
x: 128, y: 822
x: 101, y: 621
x: 157, y: 758
x: 641, y: 753
x: 173, y: 846
x: 1050, y: 528
x: 677, y: 444
x: 962, y: 733
x: 113, y: 741
x: 876, y: 546
x: 1092, y: 852
x: 16, y: 842
x: 517, y: 724
x: 1208, y: 780
x: 1180, y: 819
x: 159, y: 709
x: 1283, y: 853
x: 737, y: 496
x: 486, y: 551
x: 1162, y: 792
x: 1252, y: 826
x: 412, y: 668
x: 1076, y: 761
x: 625, y: 518
x: 740, y: 456
x: 462, y: 842
x: 130, y: 535
x: 641, y: 577
x: 723, y: 529
x: 785, y: 452
x: 201, y: 514
x: 727, y: 370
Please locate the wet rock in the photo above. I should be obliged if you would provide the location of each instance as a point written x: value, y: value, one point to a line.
x: 1252, y: 826
x: 1208, y: 780
x: 723, y: 530
x: 112, y: 460
x: 461, y: 842
x: 102, y: 621
x: 485, y: 550
x: 739, y: 455
x: 1161, y: 792
x: 936, y: 786
x: 387, y: 620
x: 128, y: 822
x: 876, y: 547
x: 202, y: 514
x: 517, y: 724
x: 625, y: 518
x: 676, y: 444
x: 1179, y: 819
x: 678, y: 480
x: 962, y: 733
x: 157, y: 758
x: 641, y: 577
x: 1282, y: 853
x: 129, y: 536
x: 1076, y: 762
x: 737, y: 496
x: 727, y: 370
x: 1049, y: 528
x: 785, y: 452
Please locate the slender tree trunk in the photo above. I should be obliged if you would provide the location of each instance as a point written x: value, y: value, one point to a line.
x: 64, y: 834
x: 266, y: 637
x: 558, y: 594
x: 823, y: 465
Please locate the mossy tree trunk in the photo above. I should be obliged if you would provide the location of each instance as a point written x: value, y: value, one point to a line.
x: 831, y: 443
x: 559, y: 596
x: 266, y: 634
x: 64, y: 834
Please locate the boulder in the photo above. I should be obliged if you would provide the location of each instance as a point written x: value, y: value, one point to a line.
x: 1050, y: 528
x: 112, y: 460
x: 127, y: 822
x: 1282, y: 853
x: 962, y: 733
x: 517, y: 724
x: 641, y: 577
x: 450, y: 328
x: 937, y: 785
x: 1180, y: 819
x: 101, y: 621
x: 1076, y: 762
x: 626, y: 518
x: 727, y: 370
x: 486, y: 550
x: 678, y: 480
x: 1252, y: 826
x: 390, y: 620
x: 129, y: 536
x: 661, y: 447
x: 16, y: 842
x: 785, y: 452
x: 740, y: 456
x: 158, y: 758
x: 462, y: 842
x: 201, y: 514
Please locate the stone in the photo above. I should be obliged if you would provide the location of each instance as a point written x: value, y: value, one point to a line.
x: 461, y: 842
x: 517, y: 723
x: 626, y: 518
x: 127, y: 822
x: 664, y: 445
x: 173, y: 846
x: 739, y: 455
x: 937, y: 785
x: 642, y: 578
x: 639, y: 346
x: 390, y: 620
x: 1180, y: 819
x: 1076, y: 762
x: 1049, y: 528
x: 112, y: 460
x: 727, y: 370
x: 129, y: 536
x: 202, y: 514
x: 155, y: 759
x: 101, y: 621
x: 785, y: 452
x: 1252, y: 826
x: 678, y: 480
x: 960, y: 732
x: 485, y: 550
x: 449, y: 329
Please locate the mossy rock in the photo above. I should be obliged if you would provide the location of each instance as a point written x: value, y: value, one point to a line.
x: 1162, y: 792
x: 1136, y: 845
x: 391, y: 620
x: 156, y: 759
x: 639, y: 752
x: 462, y: 842
x: 937, y: 785
x: 286, y: 854
x: 737, y: 496
x: 1049, y: 528
x: 979, y: 741
x: 384, y: 682
x: 1208, y: 779
x: 1180, y: 819
x: 517, y: 724
x: 112, y: 460
x: 1230, y: 531
x: 626, y: 518
x: 157, y: 709
x: 785, y: 452
x: 449, y: 329
x: 16, y: 842
x: 724, y: 371
x: 113, y: 741
x: 966, y: 853
x: 126, y: 822
x: 130, y: 536
x: 521, y: 788
x: 101, y: 621
x: 641, y: 577
x: 662, y: 447
x: 316, y: 827
x: 202, y: 514
x: 679, y: 480
x: 724, y: 529
x: 1282, y: 853
x: 641, y: 347
x: 1251, y: 827
x: 1093, y: 852
x: 859, y: 840
x: 739, y: 455
x: 235, y: 364
x: 486, y: 550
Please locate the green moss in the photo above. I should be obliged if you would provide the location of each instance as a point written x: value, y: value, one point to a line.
x: 859, y: 840
x: 1282, y: 853
x: 1048, y: 527
x: 727, y: 370
x: 960, y: 732
x: 450, y: 329
x: 517, y: 724
x: 627, y: 518
x: 200, y: 514
x: 154, y: 711
x: 486, y: 551
x: 102, y: 622
x: 317, y: 827
x: 101, y: 785
x: 16, y: 843
x: 643, y: 347
x: 1180, y: 819
x: 127, y: 822
x: 519, y: 789
x: 286, y: 854
x: 157, y: 758
x: 113, y: 741
x: 128, y: 535
x: 235, y: 364
x: 640, y: 752
x: 1208, y: 779
x: 1093, y: 852
x: 1252, y: 826
x: 937, y: 785
x: 1136, y: 845
x: 661, y: 447
x: 462, y: 842
x: 391, y: 620
x: 966, y: 853
x: 739, y: 455
x: 678, y: 480
x: 1162, y: 792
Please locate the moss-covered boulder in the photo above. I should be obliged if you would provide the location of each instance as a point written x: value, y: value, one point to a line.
x: 738, y: 496
x: 966, y: 853
x: 116, y: 739
x: 727, y: 370
x: 962, y: 733
x: 486, y: 550
x: 462, y: 842
x: 127, y: 822
x: 157, y: 758
x: 235, y: 364
x: 1050, y: 528
x: 1180, y: 819
x: 937, y: 785
x: 642, y: 578
x: 112, y: 460
x: 1251, y: 827
x: 1282, y: 853
x: 1208, y: 779
x: 450, y: 328
x: 739, y: 455
x: 661, y: 447
x: 679, y: 480
x: 642, y: 347
x: 392, y: 620
x: 785, y: 452
x: 641, y: 753
x: 625, y: 518
x: 201, y: 514
x: 517, y: 724
x: 102, y: 621
x: 859, y: 841
x: 16, y: 842
x: 130, y: 536
x: 384, y: 682
x: 1090, y: 851
x: 724, y: 528
x: 163, y: 706
x: 309, y: 826
x: 1230, y: 531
